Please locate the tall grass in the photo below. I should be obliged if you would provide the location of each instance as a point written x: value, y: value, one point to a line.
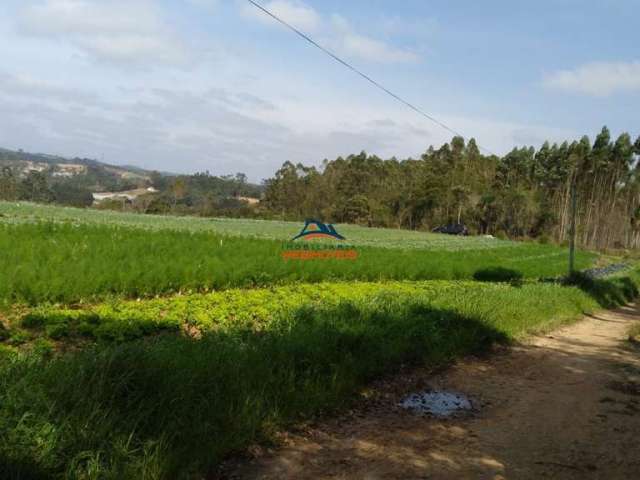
x: 51, y: 262
x: 171, y: 406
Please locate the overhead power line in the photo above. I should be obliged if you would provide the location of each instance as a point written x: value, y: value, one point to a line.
x: 358, y: 72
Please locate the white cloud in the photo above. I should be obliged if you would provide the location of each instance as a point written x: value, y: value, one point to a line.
x: 132, y: 32
x: 88, y: 17
x: 597, y: 78
x: 135, y: 48
x: 374, y: 50
x: 335, y: 32
x: 209, y: 4
x: 27, y: 86
x: 293, y: 12
x: 220, y: 129
x: 221, y: 117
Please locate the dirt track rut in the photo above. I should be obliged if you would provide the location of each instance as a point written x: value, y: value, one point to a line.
x: 564, y: 405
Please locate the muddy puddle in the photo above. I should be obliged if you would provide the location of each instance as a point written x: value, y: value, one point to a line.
x: 437, y: 403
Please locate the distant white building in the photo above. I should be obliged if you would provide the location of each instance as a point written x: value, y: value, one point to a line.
x: 69, y: 170
x: 129, y: 194
x: 249, y: 200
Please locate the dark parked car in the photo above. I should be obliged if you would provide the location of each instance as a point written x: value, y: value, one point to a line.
x: 452, y: 229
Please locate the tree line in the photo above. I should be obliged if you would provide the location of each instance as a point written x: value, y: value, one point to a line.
x: 524, y: 194
x: 36, y: 187
x: 200, y: 194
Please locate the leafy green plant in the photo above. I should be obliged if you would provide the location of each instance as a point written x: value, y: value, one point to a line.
x: 19, y: 338
x: 256, y: 309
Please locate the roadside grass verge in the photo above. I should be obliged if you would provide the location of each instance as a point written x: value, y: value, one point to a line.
x: 171, y: 406
x: 610, y: 291
x: 51, y: 262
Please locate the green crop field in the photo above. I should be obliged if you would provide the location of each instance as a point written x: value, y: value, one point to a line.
x: 12, y: 213
x: 47, y: 255
x: 151, y: 347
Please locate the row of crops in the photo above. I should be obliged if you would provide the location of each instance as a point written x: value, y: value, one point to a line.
x: 16, y: 213
x: 258, y: 309
x: 65, y: 262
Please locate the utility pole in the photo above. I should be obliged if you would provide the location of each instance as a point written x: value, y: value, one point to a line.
x: 572, y: 227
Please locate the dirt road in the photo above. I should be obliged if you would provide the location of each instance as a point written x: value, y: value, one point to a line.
x: 565, y: 405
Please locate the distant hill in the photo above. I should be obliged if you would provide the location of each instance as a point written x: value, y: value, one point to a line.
x: 89, y: 173
x: 99, y: 176
x: 83, y: 182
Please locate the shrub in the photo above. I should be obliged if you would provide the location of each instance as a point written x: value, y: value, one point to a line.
x: 498, y: 274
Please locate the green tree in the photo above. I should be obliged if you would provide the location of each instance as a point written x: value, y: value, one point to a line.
x: 71, y: 195
x: 34, y: 188
x: 8, y: 185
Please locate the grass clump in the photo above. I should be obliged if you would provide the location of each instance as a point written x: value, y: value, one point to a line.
x: 171, y: 406
x: 498, y: 274
x: 609, y: 292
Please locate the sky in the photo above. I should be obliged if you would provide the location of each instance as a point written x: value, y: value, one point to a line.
x: 216, y: 85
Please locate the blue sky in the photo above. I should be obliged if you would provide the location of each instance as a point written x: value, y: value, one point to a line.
x: 193, y: 85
